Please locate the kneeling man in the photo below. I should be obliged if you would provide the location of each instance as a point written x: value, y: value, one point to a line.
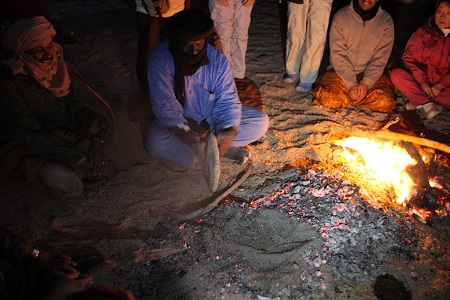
x: 192, y: 92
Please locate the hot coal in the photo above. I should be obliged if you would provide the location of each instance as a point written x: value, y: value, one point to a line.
x: 315, y: 237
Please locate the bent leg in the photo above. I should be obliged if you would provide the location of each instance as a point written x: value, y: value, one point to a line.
x: 254, y: 124
x: 330, y: 91
x: 162, y: 143
x: 406, y: 84
x: 443, y: 98
x: 380, y: 97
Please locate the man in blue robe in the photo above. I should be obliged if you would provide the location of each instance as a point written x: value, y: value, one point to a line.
x: 192, y: 91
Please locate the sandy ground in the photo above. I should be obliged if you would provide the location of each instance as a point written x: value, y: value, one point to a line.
x: 136, y: 210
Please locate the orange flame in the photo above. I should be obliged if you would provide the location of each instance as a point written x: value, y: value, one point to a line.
x: 384, y: 160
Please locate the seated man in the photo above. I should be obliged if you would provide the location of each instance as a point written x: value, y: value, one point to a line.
x: 425, y: 81
x: 192, y: 91
x: 361, y: 41
x: 53, y: 126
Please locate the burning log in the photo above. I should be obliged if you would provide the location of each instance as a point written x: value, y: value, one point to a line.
x: 393, y: 136
x: 440, y: 172
x: 393, y: 168
x: 386, y: 134
x: 423, y: 197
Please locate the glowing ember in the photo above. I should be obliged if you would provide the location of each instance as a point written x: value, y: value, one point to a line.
x: 384, y: 160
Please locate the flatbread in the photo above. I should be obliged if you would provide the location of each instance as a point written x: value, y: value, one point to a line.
x: 212, y: 162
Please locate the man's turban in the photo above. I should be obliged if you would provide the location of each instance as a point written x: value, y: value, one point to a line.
x: 25, y: 34
x: 190, y: 25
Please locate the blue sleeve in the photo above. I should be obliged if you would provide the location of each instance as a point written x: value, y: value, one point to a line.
x: 161, y: 69
x: 227, y: 109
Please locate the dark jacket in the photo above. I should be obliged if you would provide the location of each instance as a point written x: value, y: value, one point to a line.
x: 45, y: 126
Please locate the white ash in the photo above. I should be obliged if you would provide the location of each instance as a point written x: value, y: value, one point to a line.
x: 336, y: 210
x: 352, y: 242
x: 357, y: 238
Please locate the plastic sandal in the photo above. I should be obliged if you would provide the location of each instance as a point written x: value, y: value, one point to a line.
x: 303, y: 87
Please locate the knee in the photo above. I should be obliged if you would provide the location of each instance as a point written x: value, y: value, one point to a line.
x: 398, y: 75
x: 261, y: 123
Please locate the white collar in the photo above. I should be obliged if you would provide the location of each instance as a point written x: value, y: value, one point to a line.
x: 445, y: 31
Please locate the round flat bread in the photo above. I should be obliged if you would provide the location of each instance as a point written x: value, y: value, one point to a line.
x: 212, y: 162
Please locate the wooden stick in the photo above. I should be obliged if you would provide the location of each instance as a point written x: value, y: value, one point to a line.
x: 213, y: 204
x: 389, y: 135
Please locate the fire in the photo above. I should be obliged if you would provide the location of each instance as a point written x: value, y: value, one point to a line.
x: 384, y: 160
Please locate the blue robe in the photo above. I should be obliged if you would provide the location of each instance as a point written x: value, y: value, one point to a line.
x: 210, y: 94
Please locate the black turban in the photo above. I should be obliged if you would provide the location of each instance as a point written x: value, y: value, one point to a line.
x: 190, y: 25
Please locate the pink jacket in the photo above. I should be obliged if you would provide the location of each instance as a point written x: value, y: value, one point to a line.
x: 427, y: 56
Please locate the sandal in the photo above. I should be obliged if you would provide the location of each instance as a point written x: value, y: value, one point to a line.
x: 303, y: 87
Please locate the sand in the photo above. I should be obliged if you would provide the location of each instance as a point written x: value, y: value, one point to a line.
x: 134, y: 211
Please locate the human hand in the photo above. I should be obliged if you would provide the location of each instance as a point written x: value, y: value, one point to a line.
x: 225, y: 138
x: 427, y: 90
x: 97, y: 156
x: 437, y: 89
x: 201, y: 129
x: 185, y: 134
x: 358, y: 92
x: 223, y: 2
x: 248, y: 3
x: 61, y: 264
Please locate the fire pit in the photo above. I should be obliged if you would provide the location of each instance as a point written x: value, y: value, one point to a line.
x: 319, y: 234
x: 393, y: 172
